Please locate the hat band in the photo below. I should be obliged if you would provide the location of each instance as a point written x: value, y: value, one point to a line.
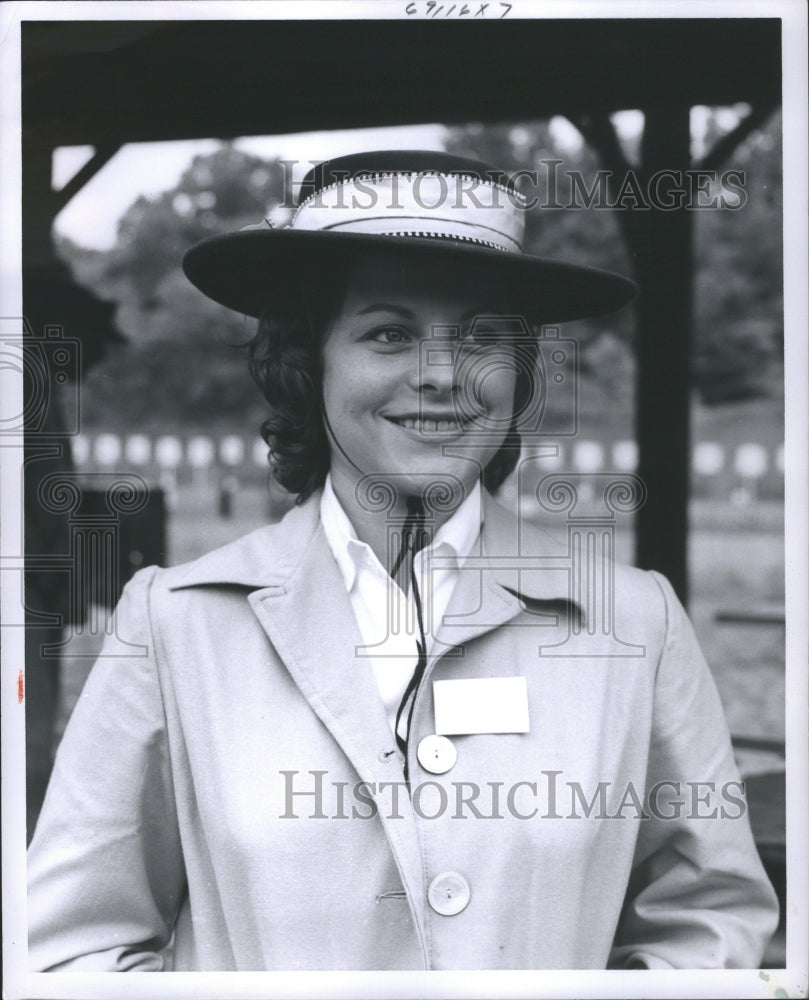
x: 445, y: 206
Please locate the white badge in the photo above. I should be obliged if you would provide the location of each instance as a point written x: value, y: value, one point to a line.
x: 481, y: 705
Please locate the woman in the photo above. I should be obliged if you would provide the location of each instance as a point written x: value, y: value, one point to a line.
x: 383, y: 733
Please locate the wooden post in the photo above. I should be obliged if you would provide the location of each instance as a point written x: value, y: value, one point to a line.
x: 660, y: 243
x: 664, y: 266
x: 46, y: 451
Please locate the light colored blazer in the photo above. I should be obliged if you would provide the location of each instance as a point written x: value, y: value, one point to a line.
x: 209, y: 781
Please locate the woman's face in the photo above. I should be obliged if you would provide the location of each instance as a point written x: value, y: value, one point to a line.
x: 410, y: 393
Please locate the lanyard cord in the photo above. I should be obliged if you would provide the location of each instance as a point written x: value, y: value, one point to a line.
x: 414, y: 538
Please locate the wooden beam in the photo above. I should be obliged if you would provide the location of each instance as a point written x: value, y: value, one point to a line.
x: 89, y: 82
x: 664, y: 265
x: 659, y: 245
x: 724, y: 146
x: 103, y: 154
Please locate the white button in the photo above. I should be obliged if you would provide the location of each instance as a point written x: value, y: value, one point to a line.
x: 448, y: 893
x: 437, y: 754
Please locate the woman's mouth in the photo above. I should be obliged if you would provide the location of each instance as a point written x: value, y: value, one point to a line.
x: 432, y: 425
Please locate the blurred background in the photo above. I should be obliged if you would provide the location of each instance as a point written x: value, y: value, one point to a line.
x: 160, y: 398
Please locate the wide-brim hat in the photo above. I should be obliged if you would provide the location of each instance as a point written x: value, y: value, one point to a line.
x: 403, y: 206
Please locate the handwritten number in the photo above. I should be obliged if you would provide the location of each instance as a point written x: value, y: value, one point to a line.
x: 432, y: 8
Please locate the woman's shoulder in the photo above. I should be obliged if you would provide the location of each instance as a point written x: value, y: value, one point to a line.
x: 581, y: 565
x: 257, y: 559
x: 513, y: 531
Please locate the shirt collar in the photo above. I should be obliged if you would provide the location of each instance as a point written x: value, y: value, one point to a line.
x: 278, y: 557
x: 458, y: 533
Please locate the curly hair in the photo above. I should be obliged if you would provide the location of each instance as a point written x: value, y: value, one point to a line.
x: 285, y: 361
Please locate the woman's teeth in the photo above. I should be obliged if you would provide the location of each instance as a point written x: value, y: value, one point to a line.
x: 427, y: 425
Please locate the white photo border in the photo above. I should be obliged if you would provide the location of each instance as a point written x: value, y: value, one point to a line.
x: 794, y: 979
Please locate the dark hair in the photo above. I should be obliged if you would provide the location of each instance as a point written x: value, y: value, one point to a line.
x: 285, y: 360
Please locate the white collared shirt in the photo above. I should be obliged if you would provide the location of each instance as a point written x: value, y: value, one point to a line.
x: 386, y: 617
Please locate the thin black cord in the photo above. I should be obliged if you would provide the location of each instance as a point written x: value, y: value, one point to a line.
x: 414, y: 538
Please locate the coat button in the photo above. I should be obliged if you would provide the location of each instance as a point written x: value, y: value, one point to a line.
x: 436, y: 754
x: 448, y: 893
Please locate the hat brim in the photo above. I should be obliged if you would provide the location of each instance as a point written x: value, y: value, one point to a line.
x: 239, y: 270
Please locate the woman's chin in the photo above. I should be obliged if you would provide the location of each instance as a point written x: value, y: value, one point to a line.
x: 439, y: 483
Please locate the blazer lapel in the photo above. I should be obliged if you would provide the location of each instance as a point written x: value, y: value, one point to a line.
x: 302, y: 604
x: 512, y: 561
x: 311, y: 624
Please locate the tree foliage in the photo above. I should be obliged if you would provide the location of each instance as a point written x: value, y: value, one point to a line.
x: 738, y: 351
x: 182, y: 363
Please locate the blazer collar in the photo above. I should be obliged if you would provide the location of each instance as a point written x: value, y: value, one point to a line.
x: 521, y: 559
x: 266, y: 557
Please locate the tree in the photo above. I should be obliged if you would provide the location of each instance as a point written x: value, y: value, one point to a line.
x: 181, y: 364
x: 738, y: 323
x: 739, y: 279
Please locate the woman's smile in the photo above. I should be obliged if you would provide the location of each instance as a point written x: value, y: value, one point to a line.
x: 431, y: 425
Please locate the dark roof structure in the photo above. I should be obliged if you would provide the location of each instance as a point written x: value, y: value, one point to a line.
x: 90, y: 82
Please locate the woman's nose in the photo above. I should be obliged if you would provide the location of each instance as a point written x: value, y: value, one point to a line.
x: 438, y: 366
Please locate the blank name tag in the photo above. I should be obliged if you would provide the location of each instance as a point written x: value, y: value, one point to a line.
x: 481, y: 705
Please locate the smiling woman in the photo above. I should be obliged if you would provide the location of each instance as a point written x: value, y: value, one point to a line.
x: 290, y: 753
x: 414, y: 330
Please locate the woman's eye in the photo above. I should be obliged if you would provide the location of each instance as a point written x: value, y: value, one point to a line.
x: 390, y: 335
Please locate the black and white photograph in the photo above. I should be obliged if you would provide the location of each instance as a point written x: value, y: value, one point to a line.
x: 405, y: 520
